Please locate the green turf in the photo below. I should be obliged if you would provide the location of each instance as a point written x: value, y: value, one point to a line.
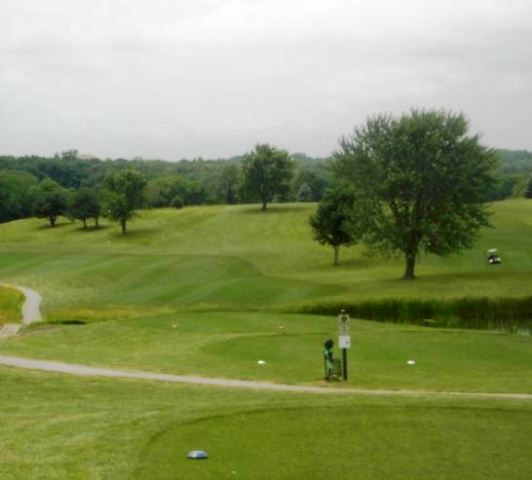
x: 229, y: 344
x: 348, y: 442
x: 60, y: 427
x: 10, y: 303
x: 242, y: 267
x: 205, y: 290
x: 238, y: 257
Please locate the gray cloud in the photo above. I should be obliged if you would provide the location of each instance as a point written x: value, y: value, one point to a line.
x: 182, y: 79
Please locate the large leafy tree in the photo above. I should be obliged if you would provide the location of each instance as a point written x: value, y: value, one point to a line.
x: 84, y: 204
x: 15, y: 194
x: 267, y: 173
x: 334, y: 222
x: 50, y: 201
x: 227, y: 183
x: 124, y: 195
x: 423, y: 180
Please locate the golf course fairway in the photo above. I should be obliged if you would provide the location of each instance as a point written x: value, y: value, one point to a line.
x: 210, y: 291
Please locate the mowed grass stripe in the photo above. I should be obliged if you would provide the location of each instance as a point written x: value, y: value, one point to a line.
x: 273, y: 244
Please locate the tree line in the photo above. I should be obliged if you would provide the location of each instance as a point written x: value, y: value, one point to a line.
x: 33, y: 185
x: 514, y: 174
x: 199, y: 181
x: 414, y: 184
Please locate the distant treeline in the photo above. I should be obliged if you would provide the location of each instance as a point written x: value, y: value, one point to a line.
x: 186, y: 182
x: 193, y: 182
x: 515, y: 174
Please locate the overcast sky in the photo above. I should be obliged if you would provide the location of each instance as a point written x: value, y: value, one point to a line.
x: 178, y: 79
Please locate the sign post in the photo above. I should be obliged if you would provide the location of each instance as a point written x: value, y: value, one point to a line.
x: 344, y: 339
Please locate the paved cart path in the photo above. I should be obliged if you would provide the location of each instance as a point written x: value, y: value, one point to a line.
x: 30, y: 311
x: 30, y: 314
x: 84, y: 370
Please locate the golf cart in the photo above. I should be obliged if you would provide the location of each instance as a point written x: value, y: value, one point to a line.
x: 492, y: 257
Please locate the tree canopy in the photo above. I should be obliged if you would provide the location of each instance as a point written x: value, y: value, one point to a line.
x: 266, y: 173
x: 334, y: 223
x: 162, y: 191
x: 424, y: 182
x: 15, y: 194
x: 84, y: 204
x: 50, y: 200
x: 124, y: 195
x: 208, y: 181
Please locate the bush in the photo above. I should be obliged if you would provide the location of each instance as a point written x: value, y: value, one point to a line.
x: 177, y: 202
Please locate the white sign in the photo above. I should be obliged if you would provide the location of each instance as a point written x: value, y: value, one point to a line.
x: 344, y: 341
x: 343, y: 323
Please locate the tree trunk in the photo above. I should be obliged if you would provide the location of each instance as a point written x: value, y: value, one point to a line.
x: 96, y: 222
x: 410, y: 266
x: 123, y: 224
x: 84, y: 224
x: 52, y: 220
x: 264, y: 203
x: 336, y: 254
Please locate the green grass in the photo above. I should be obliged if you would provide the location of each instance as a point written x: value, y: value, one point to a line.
x: 60, y: 427
x: 342, y: 440
x: 113, y: 300
x: 10, y: 303
x: 240, y: 258
x: 229, y: 344
x: 206, y: 290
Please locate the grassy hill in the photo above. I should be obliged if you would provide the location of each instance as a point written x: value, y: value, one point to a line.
x: 240, y: 258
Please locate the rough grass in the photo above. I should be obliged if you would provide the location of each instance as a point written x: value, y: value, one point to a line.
x: 10, y: 303
x: 510, y: 314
